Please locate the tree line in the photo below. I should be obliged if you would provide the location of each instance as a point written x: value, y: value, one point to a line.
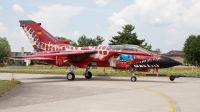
x: 191, y: 50
x: 84, y: 41
x: 126, y: 36
x: 4, y: 48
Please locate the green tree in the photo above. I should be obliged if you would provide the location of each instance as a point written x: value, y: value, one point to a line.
x: 71, y: 42
x: 84, y: 41
x: 96, y: 41
x: 61, y: 38
x: 191, y: 50
x: 4, y: 48
x: 128, y: 37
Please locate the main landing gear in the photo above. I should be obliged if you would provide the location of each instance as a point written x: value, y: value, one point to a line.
x: 133, y: 78
x: 70, y: 75
x: 88, y: 74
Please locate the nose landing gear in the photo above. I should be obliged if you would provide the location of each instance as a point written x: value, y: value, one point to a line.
x: 172, y: 78
x: 133, y: 78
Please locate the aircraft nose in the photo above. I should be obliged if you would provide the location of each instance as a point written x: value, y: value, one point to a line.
x: 166, y: 62
x: 162, y: 62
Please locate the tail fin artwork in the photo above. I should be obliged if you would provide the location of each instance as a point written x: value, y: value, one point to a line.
x: 40, y: 39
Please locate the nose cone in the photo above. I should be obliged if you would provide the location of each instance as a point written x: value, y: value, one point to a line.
x: 162, y: 62
x: 166, y: 62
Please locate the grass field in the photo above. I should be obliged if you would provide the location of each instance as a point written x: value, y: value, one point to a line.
x: 45, y: 69
x: 6, y: 85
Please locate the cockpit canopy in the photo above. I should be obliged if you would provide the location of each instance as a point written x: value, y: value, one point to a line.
x: 128, y: 47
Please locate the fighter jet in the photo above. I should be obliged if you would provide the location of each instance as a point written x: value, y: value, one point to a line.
x: 124, y: 57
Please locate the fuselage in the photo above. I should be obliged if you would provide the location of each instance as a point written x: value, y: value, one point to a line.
x: 115, y: 56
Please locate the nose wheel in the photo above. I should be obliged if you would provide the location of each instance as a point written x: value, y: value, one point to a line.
x: 133, y: 78
x: 172, y: 78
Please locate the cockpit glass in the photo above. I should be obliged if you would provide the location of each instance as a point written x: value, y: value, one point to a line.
x: 124, y: 47
x: 115, y: 47
x: 128, y: 47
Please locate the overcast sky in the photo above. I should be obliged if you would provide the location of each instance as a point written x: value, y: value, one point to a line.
x: 165, y: 24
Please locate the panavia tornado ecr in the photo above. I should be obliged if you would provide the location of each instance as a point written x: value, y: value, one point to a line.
x: 56, y: 52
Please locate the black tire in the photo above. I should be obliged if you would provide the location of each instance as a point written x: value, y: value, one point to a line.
x: 89, y: 75
x: 70, y: 76
x: 172, y: 78
x: 133, y: 78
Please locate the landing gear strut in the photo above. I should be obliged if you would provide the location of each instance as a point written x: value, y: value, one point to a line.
x: 88, y: 74
x: 70, y: 75
x: 133, y: 78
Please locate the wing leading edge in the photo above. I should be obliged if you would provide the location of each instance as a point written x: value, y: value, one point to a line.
x: 51, y: 56
x: 70, y: 53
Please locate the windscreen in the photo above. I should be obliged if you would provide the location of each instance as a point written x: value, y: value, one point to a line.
x: 128, y: 47
x: 124, y: 47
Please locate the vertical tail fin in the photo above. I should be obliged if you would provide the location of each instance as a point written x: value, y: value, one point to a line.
x: 41, y: 39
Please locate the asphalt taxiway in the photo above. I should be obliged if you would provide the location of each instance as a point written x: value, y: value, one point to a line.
x: 45, y: 93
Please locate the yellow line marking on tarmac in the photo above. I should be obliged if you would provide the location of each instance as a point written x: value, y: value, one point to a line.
x: 171, y: 106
